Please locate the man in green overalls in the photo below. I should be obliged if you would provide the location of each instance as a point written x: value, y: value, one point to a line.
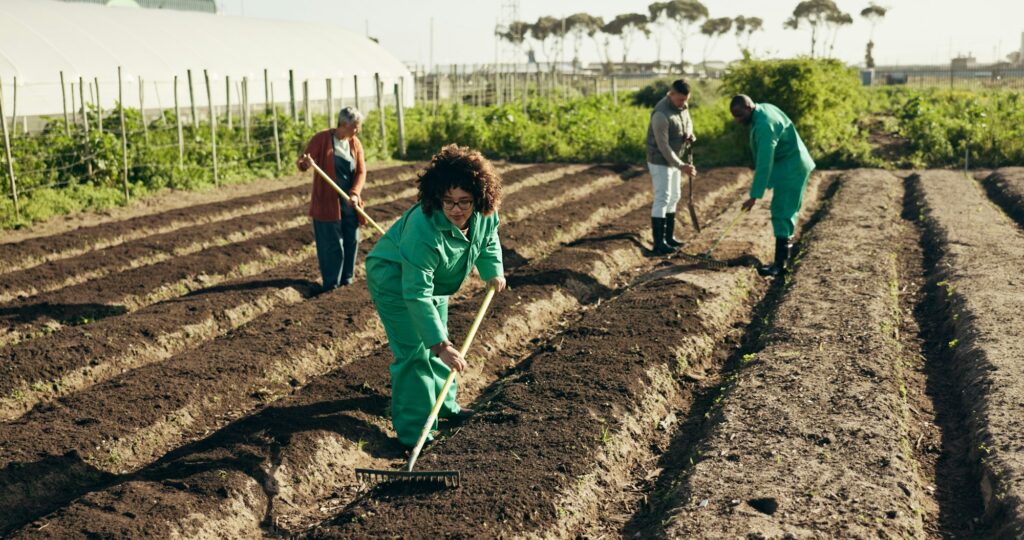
x: 424, y: 257
x: 781, y: 163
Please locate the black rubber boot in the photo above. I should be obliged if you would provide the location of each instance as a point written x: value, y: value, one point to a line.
x: 670, y: 226
x: 777, y: 268
x: 658, y: 233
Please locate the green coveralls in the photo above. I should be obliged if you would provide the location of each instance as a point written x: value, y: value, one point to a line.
x: 410, y: 273
x: 782, y: 163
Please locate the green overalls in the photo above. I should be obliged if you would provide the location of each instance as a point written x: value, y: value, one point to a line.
x: 782, y: 163
x: 410, y: 273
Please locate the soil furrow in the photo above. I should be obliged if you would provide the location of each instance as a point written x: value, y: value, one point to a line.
x: 979, y: 255
x: 545, y: 433
x: 30, y: 252
x: 1006, y: 187
x: 127, y: 422
x: 327, y: 419
x: 810, y: 437
x: 132, y: 289
x: 46, y: 368
x: 156, y: 248
x: 938, y: 422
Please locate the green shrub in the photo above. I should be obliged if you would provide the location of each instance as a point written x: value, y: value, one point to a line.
x: 824, y: 98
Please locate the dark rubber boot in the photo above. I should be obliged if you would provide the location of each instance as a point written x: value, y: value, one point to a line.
x: 670, y: 226
x: 658, y: 233
x: 777, y: 268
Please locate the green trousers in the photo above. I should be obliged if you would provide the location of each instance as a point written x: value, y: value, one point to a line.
x: 787, y: 198
x: 417, y: 375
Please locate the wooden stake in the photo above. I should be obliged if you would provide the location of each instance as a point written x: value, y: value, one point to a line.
x: 74, y: 108
x: 400, y: 110
x: 246, y: 118
x: 85, y: 109
x: 305, y: 103
x: 177, y: 119
x: 99, y: 105
x: 355, y: 85
x: 266, y: 91
x: 330, y: 106
x: 64, y: 102
x: 124, y: 134
x: 7, y: 152
x: 14, y: 108
x: 291, y: 95
x: 615, y: 91
x: 380, y: 111
x: 213, y: 127
x: 277, y: 141
x: 192, y: 101
x: 227, y: 99
x: 142, y: 109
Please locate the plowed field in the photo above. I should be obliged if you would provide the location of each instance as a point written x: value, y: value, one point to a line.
x: 178, y: 374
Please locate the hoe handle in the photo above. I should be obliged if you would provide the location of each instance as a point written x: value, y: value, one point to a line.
x: 732, y: 224
x: 344, y: 196
x: 448, y: 382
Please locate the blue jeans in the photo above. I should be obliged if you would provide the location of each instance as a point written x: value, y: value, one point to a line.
x: 336, y: 245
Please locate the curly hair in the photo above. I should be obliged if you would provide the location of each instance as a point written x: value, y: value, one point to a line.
x: 459, y: 167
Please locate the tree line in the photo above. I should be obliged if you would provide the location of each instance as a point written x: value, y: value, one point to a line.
x: 682, y: 19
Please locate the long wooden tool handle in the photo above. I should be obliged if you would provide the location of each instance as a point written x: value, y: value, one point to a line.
x: 732, y: 224
x: 345, y: 195
x: 448, y: 382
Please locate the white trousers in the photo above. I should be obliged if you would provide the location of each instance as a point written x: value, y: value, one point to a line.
x: 666, y: 181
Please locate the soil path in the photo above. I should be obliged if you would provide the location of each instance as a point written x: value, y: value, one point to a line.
x: 981, y: 257
x: 72, y: 235
x: 1006, y: 187
x: 307, y: 442
x: 810, y: 436
x: 126, y: 422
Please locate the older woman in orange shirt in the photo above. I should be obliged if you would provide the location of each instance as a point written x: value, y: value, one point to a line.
x: 335, y: 223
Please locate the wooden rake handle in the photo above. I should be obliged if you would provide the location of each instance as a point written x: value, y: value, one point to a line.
x: 448, y: 382
x: 345, y: 196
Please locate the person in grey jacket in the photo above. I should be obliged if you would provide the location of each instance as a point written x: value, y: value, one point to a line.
x: 669, y: 129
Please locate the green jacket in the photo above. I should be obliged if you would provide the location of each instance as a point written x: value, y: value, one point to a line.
x: 435, y: 258
x: 780, y: 157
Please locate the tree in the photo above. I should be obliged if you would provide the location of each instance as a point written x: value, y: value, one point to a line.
x: 744, y: 28
x: 874, y: 14
x: 579, y: 25
x: 550, y: 32
x: 815, y: 13
x: 626, y: 27
x: 834, y: 22
x: 1015, y: 58
x: 682, y: 14
x: 515, y: 34
x: 713, y: 29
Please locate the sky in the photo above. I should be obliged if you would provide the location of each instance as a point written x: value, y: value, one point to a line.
x: 912, y: 32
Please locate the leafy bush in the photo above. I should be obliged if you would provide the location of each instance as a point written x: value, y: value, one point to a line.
x: 824, y: 98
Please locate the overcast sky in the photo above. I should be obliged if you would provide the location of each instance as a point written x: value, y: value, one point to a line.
x: 913, y: 32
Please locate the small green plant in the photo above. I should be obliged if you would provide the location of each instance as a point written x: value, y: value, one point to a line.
x: 952, y: 343
x: 360, y: 444
x: 748, y: 358
x: 606, y: 437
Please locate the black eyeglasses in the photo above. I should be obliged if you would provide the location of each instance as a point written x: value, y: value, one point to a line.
x: 463, y: 205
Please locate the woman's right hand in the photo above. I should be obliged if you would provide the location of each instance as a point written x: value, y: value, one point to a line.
x: 688, y: 170
x: 304, y: 162
x: 450, y: 356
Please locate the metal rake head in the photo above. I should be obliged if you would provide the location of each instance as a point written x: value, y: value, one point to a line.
x: 705, y: 260
x: 448, y: 478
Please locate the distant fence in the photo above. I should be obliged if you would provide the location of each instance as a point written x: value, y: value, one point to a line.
x: 960, y: 79
x: 492, y: 85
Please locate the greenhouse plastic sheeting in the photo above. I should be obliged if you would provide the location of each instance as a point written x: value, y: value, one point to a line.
x: 41, y: 38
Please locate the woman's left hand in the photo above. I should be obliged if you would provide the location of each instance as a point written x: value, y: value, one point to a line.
x: 498, y: 283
